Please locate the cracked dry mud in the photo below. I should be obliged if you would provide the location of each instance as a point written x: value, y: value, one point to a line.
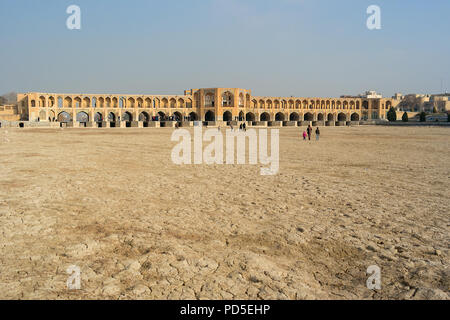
x: 139, y: 227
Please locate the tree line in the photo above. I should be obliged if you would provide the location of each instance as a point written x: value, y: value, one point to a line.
x: 392, y: 115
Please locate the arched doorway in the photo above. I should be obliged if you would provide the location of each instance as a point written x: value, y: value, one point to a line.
x: 265, y: 116
x: 210, y: 117
x: 355, y: 117
x: 51, y: 116
x: 330, y: 117
x: 42, y: 115
x: 250, y: 117
x: 112, y: 120
x: 98, y: 118
x: 279, y: 116
x: 294, y: 117
x: 161, y: 116
x: 128, y: 118
x: 64, y: 117
x: 320, y: 117
x: 177, y: 116
x: 227, y: 116
x: 342, y: 117
x: 193, y: 116
x: 82, y: 118
x: 144, y: 118
x: 309, y: 117
x: 241, y: 116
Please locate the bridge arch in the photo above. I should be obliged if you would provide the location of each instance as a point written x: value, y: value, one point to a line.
x: 144, y: 117
x: 82, y: 117
x: 250, y: 116
x: 193, y: 116
x: 127, y: 117
x: 64, y: 117
x: 309, y: 116
x: 265, y: 116
x: 342, y: 117
x: 210, y: 116
x: 178, y: 116
x: 279, y: 116
x: 111, y: 117
x: 227, y: 116
x: 330, y: 117
x: 98, y: 117
x: 320, y: 117
x: 294, y: 116
x: 162, y: 116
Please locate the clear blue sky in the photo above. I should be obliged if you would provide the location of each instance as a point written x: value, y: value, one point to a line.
x: 274, y: 47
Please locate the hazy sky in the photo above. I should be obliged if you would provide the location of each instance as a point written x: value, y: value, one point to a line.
x: 273, y: 47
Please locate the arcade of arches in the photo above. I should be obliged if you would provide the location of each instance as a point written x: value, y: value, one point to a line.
x: 215, y: 104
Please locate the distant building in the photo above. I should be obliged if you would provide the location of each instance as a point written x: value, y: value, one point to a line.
x: 367, y: 95
x: 425, y: 103
x: 398, y: 96
x: 372, y: 95
x: 10, y: 112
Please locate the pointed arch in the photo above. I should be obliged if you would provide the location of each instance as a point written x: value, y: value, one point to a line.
x: 210, y: 116
x: 82, y: 117
x: 250, y: 116
x: 64, y: 117
x: 265, y: 116
x: 294, y: 116
x: 227, y: 116
x: 279, y: 116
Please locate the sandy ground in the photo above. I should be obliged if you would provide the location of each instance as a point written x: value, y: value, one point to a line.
x: 139, y: 227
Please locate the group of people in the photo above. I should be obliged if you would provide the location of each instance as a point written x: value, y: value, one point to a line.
x: 242, y: 127
x: 167, y: 118
x: 308, y: 133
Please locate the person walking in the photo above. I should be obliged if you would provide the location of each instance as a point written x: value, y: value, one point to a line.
x: 317, y: 134
x: 309, y: 131
x: 304, y: 135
